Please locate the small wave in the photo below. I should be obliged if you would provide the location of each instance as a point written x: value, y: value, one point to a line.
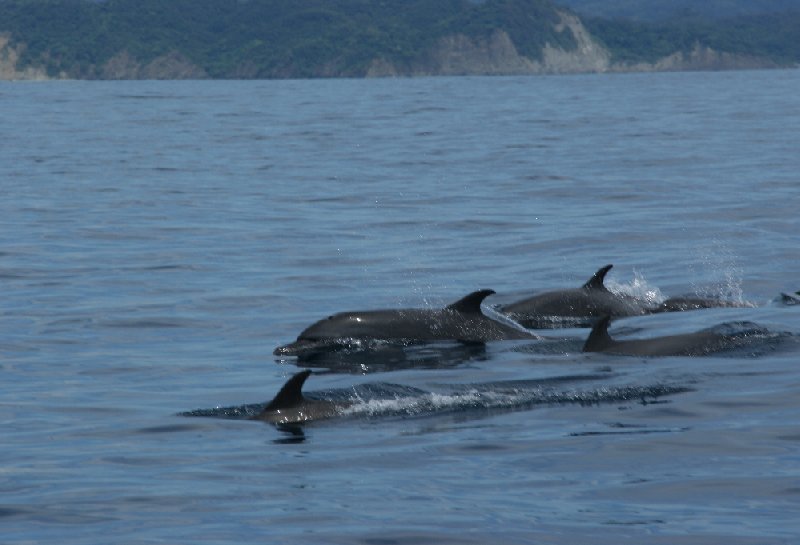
x: 646, y: 431
x: 151, y: 323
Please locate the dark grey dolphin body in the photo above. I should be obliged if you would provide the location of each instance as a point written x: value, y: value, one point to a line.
x: 289, y: 406
x: 462, y: 321
x: 700, y: 343
x: 680, y: 304
x: 580, y: 306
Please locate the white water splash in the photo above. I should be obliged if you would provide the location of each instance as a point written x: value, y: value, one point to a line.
x: 638, y: 288
x: 719, y: 263
x: 433, y: 403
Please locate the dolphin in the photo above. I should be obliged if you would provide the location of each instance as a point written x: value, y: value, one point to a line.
x: 461, y: 321
x: 679, y: 304
x: 290, y: 409
x: 581, y: 307
x: 289, y: 406
x: 700, y: 343
x: 578, y: 307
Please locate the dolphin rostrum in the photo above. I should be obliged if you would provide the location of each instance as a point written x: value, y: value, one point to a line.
x: 289, y: 406
x: 700, y: 343
x: 461, y: 321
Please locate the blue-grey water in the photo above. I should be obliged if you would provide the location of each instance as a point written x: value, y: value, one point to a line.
x: 159, y: 239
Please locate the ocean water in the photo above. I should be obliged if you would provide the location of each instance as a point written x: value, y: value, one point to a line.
x: 159, y: 239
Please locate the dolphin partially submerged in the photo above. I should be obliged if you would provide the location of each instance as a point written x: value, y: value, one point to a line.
x: 680, y: 304
x: 462, y: 321
x: 700, y: 343
x: 290, y: 409
x: 289, y: 406
x: 580, y: 306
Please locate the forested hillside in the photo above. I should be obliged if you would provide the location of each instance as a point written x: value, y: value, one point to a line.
x: 775, y: 37
x: 124, y: 39
x: 264, y: 38
x: 661, y: 10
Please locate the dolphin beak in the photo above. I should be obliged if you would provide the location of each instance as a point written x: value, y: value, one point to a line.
x: 286, y: 350
x: 300, y: 346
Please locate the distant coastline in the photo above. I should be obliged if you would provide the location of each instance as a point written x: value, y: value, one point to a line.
x: 266, y: 39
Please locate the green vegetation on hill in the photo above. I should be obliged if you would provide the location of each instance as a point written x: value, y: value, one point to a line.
x: 662, y: 10
x: 775, y: 37
x: 265, y: 38
x: 313, y: 38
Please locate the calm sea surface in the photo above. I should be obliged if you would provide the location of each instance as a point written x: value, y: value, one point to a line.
x: 159, y: 239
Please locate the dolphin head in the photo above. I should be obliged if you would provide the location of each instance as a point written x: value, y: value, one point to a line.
x: 336, y: 331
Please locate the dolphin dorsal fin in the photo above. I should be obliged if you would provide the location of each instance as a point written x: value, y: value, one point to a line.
x: 599, y: 338
x: 291, y: 394
x: 472, y: 302
x: 596, y: 281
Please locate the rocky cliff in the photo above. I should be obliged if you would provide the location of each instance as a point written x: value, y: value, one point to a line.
x: 173, y: 65
x: 699, y: 58
x: 455, y: 54
x: 9, y: 58
x: 497, y: 55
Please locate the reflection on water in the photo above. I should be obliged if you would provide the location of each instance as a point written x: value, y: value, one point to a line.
x: 385, y: 357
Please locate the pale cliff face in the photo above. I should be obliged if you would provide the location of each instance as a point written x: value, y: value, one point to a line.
x: 122, y: 66
x: 453, y: 55
x: 589, y: 56
x: 170, y: 66
x: 497, y: 55
x: 9, y: 57
x: 699, y: 58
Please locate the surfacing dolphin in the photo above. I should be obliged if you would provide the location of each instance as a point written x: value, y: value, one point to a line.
x: 683, y: 303
x: 290, y: 409
x: 462, y: 321
x: 290, y: 406
x: 576, y: 307
x: 700, y: 343
x: 581, y: 307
